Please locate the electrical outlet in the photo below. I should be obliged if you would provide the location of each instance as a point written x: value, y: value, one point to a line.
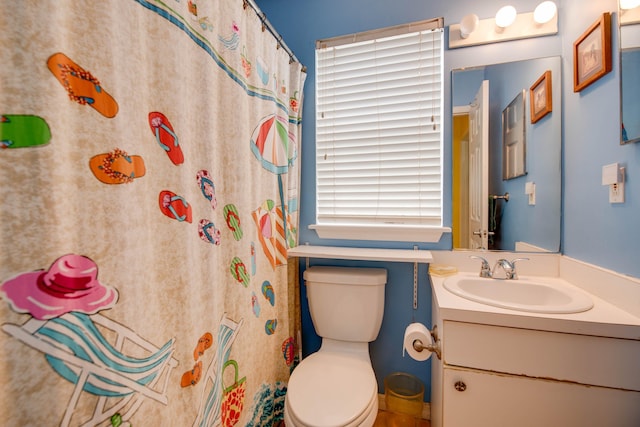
x: 616, y: 193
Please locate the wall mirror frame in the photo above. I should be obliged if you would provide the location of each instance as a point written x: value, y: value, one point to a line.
x: 523, y: 213
x: 629, y: 54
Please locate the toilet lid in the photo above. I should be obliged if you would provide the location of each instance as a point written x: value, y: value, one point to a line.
x: 331, y: 389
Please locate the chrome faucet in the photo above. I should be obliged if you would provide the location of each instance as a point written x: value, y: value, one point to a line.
x: 509, y: 268
x: 485, y: 269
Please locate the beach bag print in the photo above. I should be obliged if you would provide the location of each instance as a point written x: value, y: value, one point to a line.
x: 233, y: 398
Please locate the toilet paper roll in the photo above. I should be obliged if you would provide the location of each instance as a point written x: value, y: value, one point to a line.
x: 419, y: 332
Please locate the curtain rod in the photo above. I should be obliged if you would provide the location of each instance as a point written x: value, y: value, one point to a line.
x: 267, y: 25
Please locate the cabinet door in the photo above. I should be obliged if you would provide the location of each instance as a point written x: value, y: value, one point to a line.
x: 480, y: 398
x: 604, y: 362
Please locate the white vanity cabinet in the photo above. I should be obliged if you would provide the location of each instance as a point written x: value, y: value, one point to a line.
x: 516, y: 368
x: 504, y: 376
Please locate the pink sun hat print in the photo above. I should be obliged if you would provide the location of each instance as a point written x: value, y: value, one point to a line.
x: 70, y: 284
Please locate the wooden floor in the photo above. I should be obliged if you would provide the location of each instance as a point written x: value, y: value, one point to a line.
x: 388, y: 419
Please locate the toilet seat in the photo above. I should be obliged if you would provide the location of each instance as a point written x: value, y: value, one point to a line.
x: 331, y: 389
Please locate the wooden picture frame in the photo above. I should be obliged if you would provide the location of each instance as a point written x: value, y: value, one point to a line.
x: 540, y: 99
x: 592, y: 53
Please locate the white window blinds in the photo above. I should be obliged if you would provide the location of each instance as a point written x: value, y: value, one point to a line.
x: 378, y: 127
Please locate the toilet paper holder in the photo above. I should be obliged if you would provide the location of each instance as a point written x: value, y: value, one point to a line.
x: 419, y: 346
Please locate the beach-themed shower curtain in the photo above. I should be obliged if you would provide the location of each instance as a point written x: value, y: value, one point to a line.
x: 148, y: 194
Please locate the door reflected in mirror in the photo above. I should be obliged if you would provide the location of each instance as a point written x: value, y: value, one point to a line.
x: 522, y: 213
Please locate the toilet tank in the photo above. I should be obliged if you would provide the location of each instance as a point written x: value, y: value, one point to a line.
x: 346, y: 303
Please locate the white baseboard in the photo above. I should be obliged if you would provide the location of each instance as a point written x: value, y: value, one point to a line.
x: 426, y: 407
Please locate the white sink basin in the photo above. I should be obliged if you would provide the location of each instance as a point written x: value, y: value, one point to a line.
x: 539, y: 295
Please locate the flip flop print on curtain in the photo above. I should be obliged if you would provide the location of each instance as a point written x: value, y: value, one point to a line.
x: 208, y: 232
x: 268, y: 292
x: 193, y: 376
x: 288, y: 350
x: 204, y: 343
x: 270, y: 326
x: 81, y: 86
x: 117, y: 167
x: 232, y: 219
x: 174, y: 206
x: 205, y: 183
x: 166, y: 137
x: 255, y: 304
x: 254, y: 266
x: 20, y: 131
x: 239, y: 272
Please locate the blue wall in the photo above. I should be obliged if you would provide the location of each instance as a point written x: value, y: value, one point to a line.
x: 594, y: 231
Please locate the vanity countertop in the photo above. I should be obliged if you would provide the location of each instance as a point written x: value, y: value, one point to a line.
x: 604, y: 319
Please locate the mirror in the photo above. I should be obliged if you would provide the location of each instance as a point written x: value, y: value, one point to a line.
x: 522, y: 213
x: 629, y: 27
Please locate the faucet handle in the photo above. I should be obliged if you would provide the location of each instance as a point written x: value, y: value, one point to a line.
x: 513, y: 264
x: 485, y: 269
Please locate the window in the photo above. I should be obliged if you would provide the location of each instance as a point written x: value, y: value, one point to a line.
x: 378, y: 129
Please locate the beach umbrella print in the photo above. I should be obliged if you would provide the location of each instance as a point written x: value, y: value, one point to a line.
x: 275, y: 147
x: 271, y: 231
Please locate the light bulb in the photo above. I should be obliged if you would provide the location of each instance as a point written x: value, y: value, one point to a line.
x: 505, y: 16
x: 544, y: 12
x: 629, y: 4
x: 468, y: 24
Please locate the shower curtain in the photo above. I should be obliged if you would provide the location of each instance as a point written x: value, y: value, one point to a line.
x: 148, y: 182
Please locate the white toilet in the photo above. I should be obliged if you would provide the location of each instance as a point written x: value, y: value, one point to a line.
x: 336, y: 386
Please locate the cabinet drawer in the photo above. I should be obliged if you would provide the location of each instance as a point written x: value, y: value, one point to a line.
x: 608, y: 362
x: 483, y: 399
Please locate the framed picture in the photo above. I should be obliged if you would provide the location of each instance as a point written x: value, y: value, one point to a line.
x: 592, y: 53
x: 514, y: 148
x: 540, y: 97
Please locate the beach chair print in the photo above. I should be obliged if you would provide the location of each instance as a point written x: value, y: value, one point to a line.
x: 211, y: 397
x: 76, y: 349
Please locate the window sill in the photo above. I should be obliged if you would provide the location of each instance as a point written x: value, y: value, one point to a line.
x: 334, y: 252
x: 393, y: 233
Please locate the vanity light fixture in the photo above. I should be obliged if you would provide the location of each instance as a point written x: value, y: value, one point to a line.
x: 505, y: 17
x: 468, y: 24
x: 507, y: 25
x: 629, y: 4
x: 545, y: 12
x: 629, y: 16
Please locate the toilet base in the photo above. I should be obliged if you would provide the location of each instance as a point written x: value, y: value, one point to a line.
x: 367, y: 422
